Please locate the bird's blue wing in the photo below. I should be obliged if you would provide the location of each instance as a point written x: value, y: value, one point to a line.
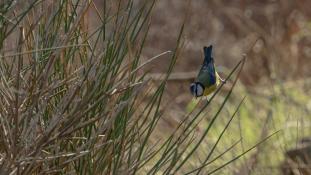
x: 207, y: 74
x: 212, y: 73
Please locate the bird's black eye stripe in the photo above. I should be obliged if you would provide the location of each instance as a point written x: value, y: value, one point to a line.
x: 196, y: 90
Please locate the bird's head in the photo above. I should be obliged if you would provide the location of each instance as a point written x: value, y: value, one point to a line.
x: 196, y: 89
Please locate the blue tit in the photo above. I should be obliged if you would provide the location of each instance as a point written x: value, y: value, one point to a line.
x: 208, y: 79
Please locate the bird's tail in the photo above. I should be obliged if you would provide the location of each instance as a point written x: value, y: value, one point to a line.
x: 208, y: 53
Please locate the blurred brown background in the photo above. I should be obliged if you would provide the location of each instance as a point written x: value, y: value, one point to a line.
x: 282, y: 27
x: 275, y: 35
x: 282, y: 30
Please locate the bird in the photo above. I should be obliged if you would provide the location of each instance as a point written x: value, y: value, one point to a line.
x: 208, y: 79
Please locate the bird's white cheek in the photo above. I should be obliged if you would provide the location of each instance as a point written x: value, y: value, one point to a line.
x: 199, y: 91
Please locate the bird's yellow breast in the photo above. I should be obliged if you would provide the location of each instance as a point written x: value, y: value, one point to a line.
x: 210, y: 89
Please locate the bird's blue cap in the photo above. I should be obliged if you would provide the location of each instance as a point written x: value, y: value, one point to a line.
x: 193, y: 89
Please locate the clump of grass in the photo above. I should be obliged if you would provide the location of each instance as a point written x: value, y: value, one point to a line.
x: 74, y: 100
